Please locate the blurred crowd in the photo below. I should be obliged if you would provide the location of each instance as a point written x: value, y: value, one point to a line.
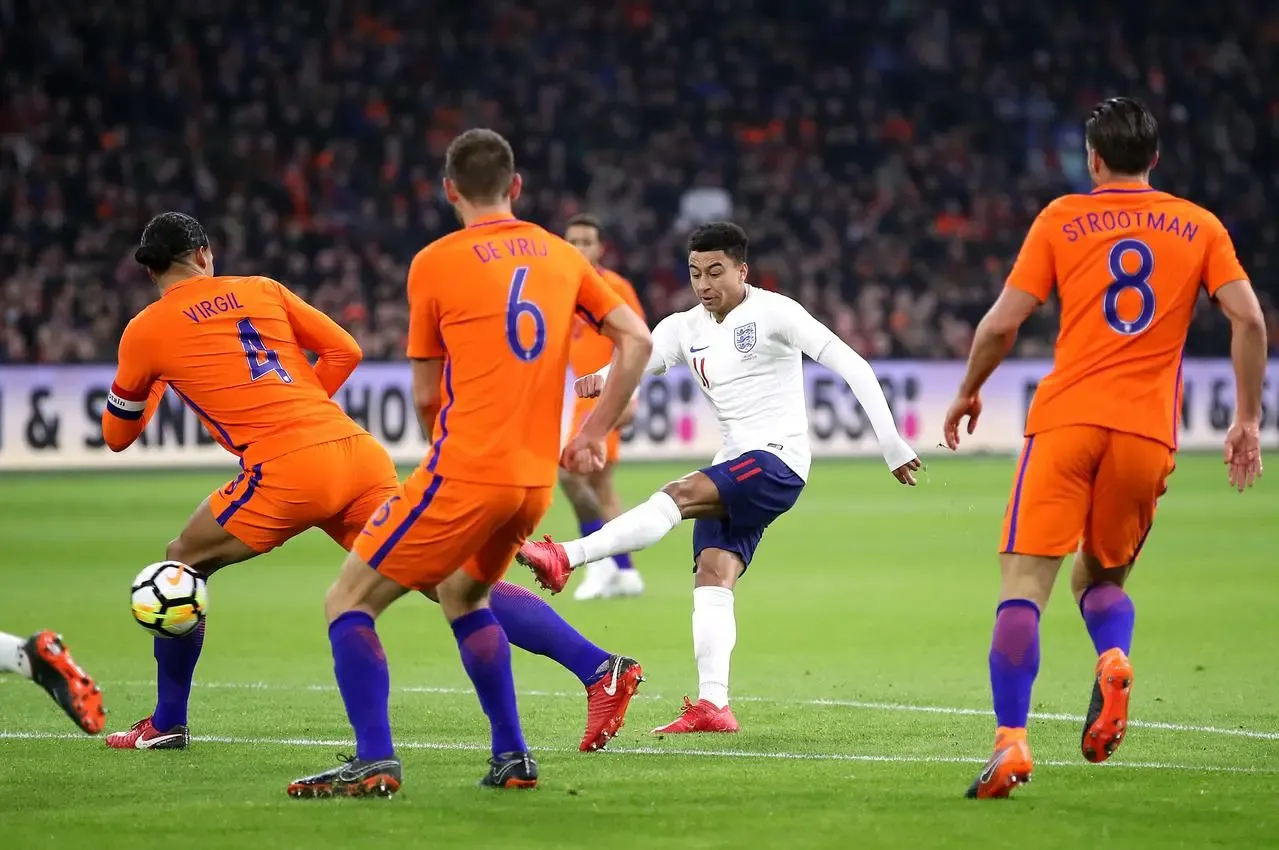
x: 886, y: 157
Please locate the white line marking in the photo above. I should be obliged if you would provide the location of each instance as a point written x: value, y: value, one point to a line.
x: 829, y: 703
x: 656, y: 751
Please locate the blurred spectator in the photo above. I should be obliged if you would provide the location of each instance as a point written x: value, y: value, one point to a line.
x: 885, y: 157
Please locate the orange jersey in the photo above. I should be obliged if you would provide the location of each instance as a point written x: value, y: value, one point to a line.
x: 591, y: 351
x: 497, y: 301
x: 233, y: 349
x: 1128, y: 262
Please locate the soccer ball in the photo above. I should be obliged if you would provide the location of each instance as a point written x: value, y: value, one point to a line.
x: 169, y: 599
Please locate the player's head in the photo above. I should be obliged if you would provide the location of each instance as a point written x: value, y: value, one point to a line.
x: 585, y: 234
x: 174, y: 244
x: 1122, y: 139
x: 717, y: 265
x: 479, y: 173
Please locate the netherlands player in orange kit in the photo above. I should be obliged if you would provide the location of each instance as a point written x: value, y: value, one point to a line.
x: 232, y: 349
x: 490, y: 317
x: 594, y: 497
x: 1128, y: 263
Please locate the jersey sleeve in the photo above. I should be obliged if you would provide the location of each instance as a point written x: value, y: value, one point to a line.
x: 425, y: 341
x: 136, y: 390
x: 799, y: 328
x: 1034, y: 272
x: 1221, y: 265
x: 315, y: 331
x: 667, y: 350
x: 595, y: 298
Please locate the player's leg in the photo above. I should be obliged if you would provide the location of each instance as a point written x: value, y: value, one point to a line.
x: 216, y: 535
x: 351, y: 606
x: 599, y: 574
x: 530, y: 623
x: 754, y: 490
x: 691, y: 497
x: 627, y: 580
x: 507, y: 516
x: 1131, y: 476
x: 45, y: 659
x: 1043, y: 523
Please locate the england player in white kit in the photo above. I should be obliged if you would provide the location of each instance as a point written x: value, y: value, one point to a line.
x: 745, y: 346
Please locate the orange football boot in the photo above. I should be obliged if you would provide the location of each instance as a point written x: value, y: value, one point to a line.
x: 607, y: 701
x: 53, y: 669
x: 1010, y: 766
x: 1108, y: 713
x: 700, y: 716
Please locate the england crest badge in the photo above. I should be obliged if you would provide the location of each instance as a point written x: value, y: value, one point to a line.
x: 744, y: 337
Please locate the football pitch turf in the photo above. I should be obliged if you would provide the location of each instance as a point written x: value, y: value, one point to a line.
x: 859, y: 679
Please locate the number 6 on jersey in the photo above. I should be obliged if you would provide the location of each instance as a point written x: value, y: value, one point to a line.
x: 516, y: 308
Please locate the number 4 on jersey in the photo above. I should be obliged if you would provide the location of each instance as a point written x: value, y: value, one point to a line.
x: 263, y: 361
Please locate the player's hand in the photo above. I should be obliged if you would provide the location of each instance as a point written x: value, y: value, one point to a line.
x: 1243, y: 454
x: 906, y: 472
x: 962, y: 406
x: 589, y: 387
x: 582, y: 455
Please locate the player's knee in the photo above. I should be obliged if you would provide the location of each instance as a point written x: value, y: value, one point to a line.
x: 177, y: 551
x: 693, y: 494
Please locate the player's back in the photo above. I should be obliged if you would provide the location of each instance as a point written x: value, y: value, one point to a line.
x: 227, y: 346
x: 1128, y: 262
x: 590, y: 351
x: 498, y: 301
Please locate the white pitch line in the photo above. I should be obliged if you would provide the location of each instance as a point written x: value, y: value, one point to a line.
x: 674, y: 752
x: 828, y: 703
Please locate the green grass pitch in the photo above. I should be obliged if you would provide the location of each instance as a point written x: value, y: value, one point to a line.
x: 859, y: 678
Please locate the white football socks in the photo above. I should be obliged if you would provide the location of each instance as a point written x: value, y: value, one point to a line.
x: 641, y: 526
x: 714, y: 636
x: 13, y: 655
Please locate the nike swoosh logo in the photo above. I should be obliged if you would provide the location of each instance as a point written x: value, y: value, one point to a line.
x: 989, y: 771
x: 141, y: 743
x: 695, y: 350
x: 617, y: 667
x: 175, y: 579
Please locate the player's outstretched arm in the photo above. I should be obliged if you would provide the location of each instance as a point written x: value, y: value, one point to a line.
x: 339, y: 352
x: 994, y: 338
x: 666, y: 353
x: 837, y: 356
x: 1248, y: 353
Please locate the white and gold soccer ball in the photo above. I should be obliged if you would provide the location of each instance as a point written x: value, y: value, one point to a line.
x: 169, y: 599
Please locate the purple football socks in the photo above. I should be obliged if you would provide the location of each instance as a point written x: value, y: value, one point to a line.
x: 535, y: 627
x: 1014, y: 661
x: 175, y: 660
x: 486, y: 655
x: 1109, y: 615
x: 364, y: 681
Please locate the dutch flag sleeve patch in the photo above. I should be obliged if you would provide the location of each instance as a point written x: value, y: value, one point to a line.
x: 125, y: 404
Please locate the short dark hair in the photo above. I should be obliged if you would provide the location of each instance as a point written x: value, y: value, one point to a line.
x: 720, y: 236
x: 1124, y: 134
x: 481, y: 164
x: 167, y: 238
x: 585, y: 220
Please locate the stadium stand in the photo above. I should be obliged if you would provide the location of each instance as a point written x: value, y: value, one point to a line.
x: 886, y: 157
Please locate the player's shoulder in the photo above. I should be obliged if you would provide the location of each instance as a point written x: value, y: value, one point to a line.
x: 765, y: 302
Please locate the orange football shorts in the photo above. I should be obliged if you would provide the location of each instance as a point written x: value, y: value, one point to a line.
x: 434, y: 526
x: 1084, y: 482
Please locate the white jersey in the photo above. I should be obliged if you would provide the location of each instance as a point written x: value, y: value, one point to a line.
x: 750, y: 367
